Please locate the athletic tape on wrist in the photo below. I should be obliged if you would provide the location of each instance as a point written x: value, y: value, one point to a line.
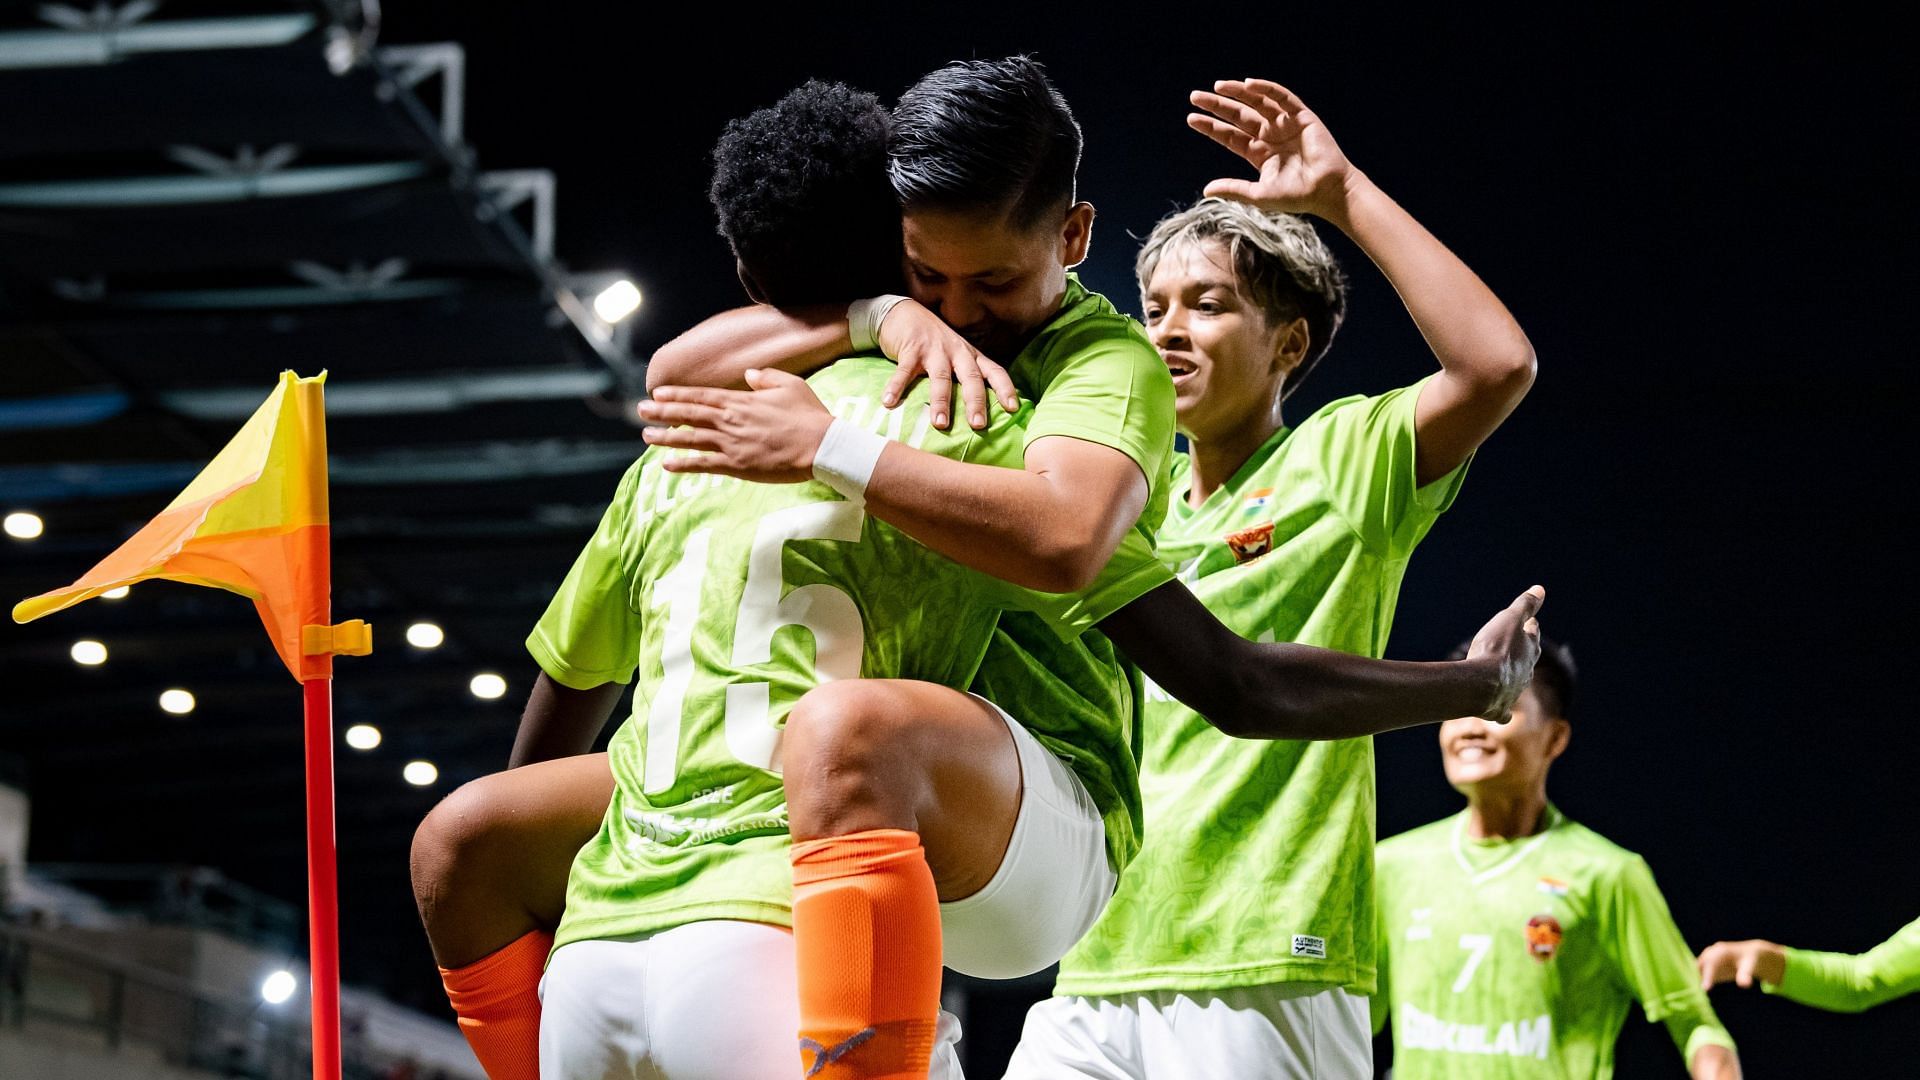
x: 864, y: 318
x: 846, y: 458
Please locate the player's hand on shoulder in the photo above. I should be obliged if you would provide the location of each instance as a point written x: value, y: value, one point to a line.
x: 767, y: 434
x: 1302, y: 169
x: 1739, y: 962
x: 1511, y: 643
x: 914, y: 338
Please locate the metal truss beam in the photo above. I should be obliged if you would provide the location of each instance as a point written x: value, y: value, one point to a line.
x: 91, y: 39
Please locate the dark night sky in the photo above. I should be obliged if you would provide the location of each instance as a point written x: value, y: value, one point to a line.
x: 1703, y: 227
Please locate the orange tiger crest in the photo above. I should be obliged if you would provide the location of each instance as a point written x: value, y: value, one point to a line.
x: 1543, y: 937
x: 1249, y: 544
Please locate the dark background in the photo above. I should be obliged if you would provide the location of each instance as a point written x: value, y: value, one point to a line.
x: 1704, y: 227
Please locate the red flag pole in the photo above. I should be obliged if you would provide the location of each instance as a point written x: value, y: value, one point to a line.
x: 275, y: 549
x: 323, y: 898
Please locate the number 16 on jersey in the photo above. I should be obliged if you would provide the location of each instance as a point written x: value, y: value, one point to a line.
x: 826, y: 611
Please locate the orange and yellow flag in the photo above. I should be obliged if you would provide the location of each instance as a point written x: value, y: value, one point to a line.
x: 254, y: 522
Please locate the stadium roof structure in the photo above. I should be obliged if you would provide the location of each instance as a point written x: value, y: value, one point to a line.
x: 194, y: 197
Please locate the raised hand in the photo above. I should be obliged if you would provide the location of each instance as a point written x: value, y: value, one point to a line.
x: 1513, y: 639
x: 916, y: 339
x: 1302, y: 170
x: 767, y: 434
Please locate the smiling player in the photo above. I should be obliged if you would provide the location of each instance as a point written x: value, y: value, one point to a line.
x: 684, y: 857
x: 1241, y: 940
x: 1512, y: 939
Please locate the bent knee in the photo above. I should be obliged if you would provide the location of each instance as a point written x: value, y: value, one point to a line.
x: 847, y: 721
x: 850, y: 761
x: 458, y: 838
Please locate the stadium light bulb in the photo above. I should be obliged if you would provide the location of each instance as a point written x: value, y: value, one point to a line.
x: 420, y: 773
x: 117, y: 593
x: 617, y: 301
x: 278, y: 987
x: 363, y: 736
x: 488, y: 686
x: 178, y: 702
x: 88, y: 653
x: 22, y: 525
x: 425, y: 635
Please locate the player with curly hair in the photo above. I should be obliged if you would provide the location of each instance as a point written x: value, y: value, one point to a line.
x: 683, y: 866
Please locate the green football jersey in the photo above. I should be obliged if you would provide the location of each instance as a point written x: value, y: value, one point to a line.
x: 1257, y: 865
x: 1845, y: 983
x: 1078, y: 699
x: 1519, y: 958
x: 1092, y: 375
x: 734, y: 605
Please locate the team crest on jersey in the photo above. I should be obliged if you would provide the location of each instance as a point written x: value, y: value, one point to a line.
x: 1249, y: 544
x: 1553, y: 886
x: 1543, y: 937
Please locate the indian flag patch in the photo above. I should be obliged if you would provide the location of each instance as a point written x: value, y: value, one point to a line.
x: 1256, y: 500
x: 1553, y: 886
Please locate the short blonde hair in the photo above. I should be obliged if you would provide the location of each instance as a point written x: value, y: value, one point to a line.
x: 1278, y: 259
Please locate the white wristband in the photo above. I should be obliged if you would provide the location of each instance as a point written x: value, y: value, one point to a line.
x: 846, y: 458
x: 864, y: 318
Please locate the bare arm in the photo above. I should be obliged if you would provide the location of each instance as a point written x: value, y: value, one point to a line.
x: 1051, y: 526
x: 560, y: 721
x: 720, y: 350
x: 1284, y: 691
x: 1713, y: 1062
x: 1486, y: 362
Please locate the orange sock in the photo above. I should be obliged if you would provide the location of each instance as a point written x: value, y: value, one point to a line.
x: 866, y: 936
x: 497, y: 999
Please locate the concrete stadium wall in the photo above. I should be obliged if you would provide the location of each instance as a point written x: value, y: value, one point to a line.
x: 223, y: 968
x: 41, y: 1052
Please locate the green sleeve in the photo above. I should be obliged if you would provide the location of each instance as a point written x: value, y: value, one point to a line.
x: 1654, y: 962
x: 1109, y: 386
x: 590, y: 634
x: 1132, y: 572
x: 1844, y: 983
x: 1369, y: 463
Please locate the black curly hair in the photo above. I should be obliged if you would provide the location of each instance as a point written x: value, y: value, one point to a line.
x: 802, y: 194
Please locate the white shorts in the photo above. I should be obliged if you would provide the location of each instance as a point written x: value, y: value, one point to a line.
x: 718, y: 1000
x: 1053, y: 882
x: 710, y: 1000
x: 1285, y: 1030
